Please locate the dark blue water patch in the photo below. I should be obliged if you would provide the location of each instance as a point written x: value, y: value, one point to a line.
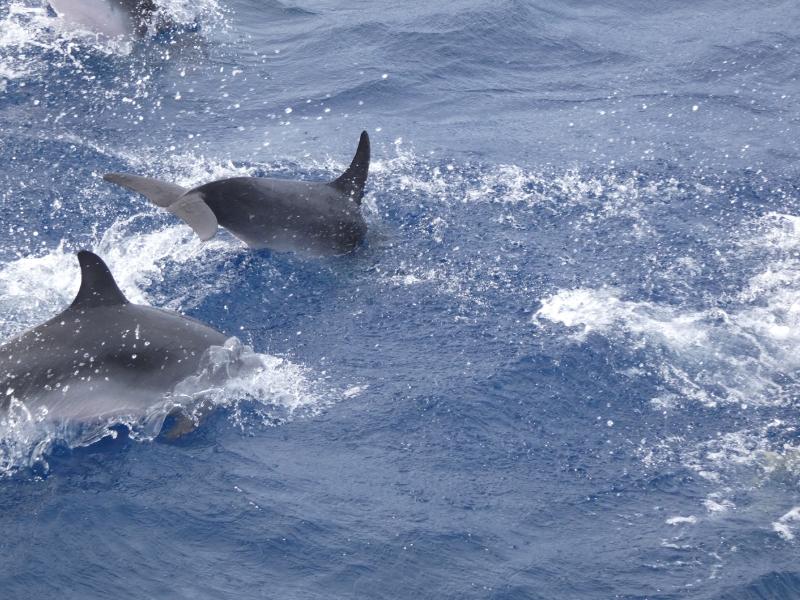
x: 772, y: 585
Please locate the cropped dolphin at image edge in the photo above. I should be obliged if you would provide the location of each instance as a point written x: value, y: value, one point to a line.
x: 102, y: 355
x: 109, y: 17
x: 285, y: 215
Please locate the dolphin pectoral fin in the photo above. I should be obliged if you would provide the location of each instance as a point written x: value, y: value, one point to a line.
x: 158, y: 192
x: 179, y: 423
x: 351, y: 182
x: 193, y: 210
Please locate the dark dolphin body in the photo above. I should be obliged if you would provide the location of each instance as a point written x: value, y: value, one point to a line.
x: 102, y: 356
x: 319, y: 218
x: 109, y: 17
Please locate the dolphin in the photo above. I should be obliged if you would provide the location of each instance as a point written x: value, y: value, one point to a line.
x: 102, y: 357
x: 110, y: 17
x: 316, y: 218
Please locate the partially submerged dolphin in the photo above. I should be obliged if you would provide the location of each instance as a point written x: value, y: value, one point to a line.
x: 102, y: 356
x: 303, y: 216
x: 110, y: 17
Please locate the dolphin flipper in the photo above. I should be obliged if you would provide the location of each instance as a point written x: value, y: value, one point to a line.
x: 351, y: 182
x: 158, y: 192
x: 193, y: 210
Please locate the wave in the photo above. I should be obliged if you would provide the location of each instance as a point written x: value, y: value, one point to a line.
x: 742, y: 351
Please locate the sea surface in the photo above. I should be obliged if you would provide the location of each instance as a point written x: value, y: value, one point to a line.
x: 563, y: 365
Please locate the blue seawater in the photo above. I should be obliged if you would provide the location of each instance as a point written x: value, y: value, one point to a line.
x: 563, y: 365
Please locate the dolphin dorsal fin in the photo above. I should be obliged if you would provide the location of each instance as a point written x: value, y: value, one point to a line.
x: 352, y: 181
x: 98, y: 287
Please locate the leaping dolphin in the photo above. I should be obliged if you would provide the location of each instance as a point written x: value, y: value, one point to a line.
x: 103, y: 356
x: 320, y: 218
x: 110, y: 17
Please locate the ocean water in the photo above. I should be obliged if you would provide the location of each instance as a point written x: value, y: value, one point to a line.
x: 564, y: 364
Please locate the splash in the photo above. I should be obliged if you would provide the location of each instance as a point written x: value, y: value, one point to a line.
x: 232, y: 374
x: 742, y: 352
x: 33, y: 40
x: 787, y: 525
x: 34, y: 288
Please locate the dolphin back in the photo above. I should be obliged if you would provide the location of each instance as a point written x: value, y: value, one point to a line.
x: 102, y: 355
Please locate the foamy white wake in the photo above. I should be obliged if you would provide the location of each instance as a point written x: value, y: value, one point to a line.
x: 745, y: 355
x: 788, y: 524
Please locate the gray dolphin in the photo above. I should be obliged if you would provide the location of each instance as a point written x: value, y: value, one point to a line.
x: 110, y: 17
x: 102, y: 356
x: 320, y: 218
